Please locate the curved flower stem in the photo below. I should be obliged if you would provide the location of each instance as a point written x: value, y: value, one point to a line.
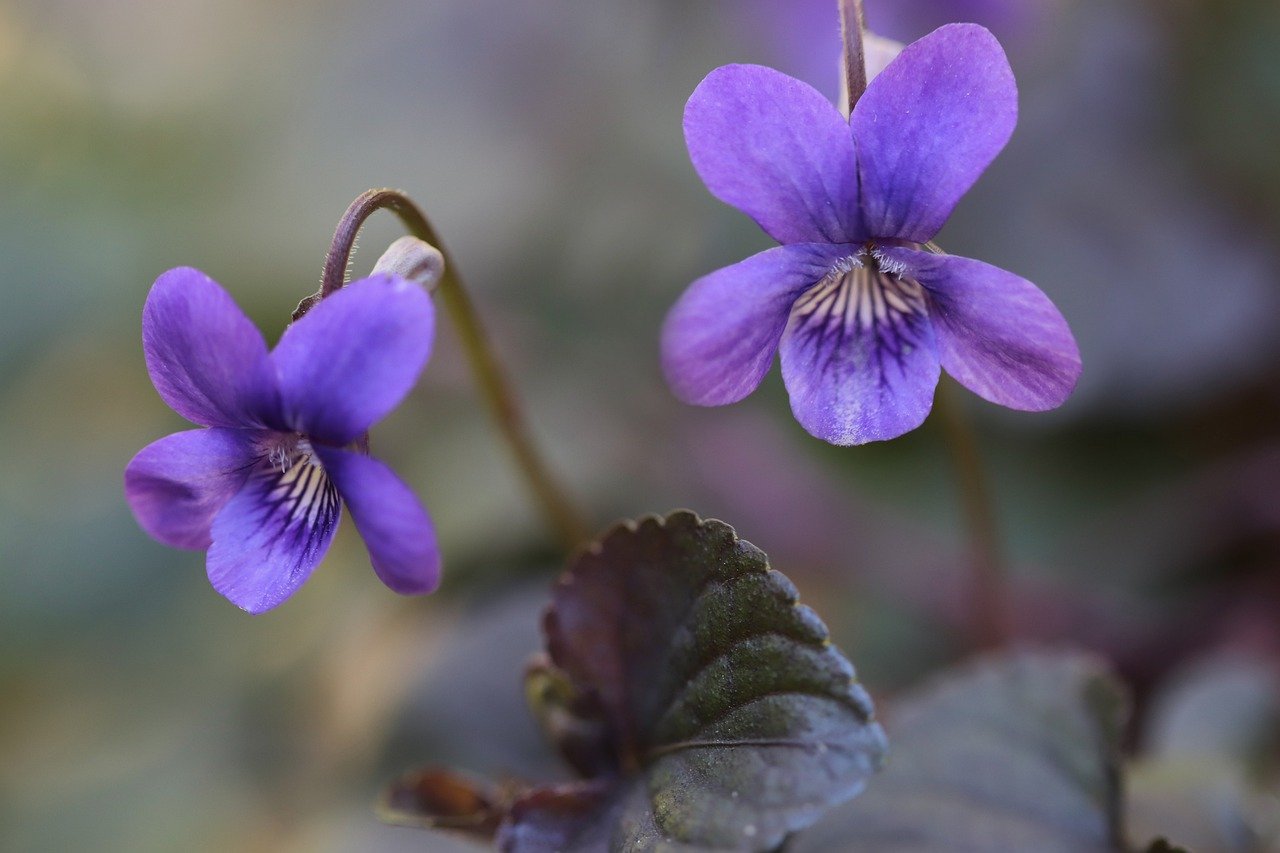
x: 852, y: 24
x: 559, y: 512
x: 988, y: 580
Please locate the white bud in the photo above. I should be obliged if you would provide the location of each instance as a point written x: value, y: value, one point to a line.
x: 412, y: 259
x: 878, y: 52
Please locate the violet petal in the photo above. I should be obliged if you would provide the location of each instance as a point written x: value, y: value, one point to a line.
x: 859, y: 358
x: 175, y: 486
x: 396, y: 528
x: 928, y: 126
x: 353, y: 357
x: 205, y: 357
x: 777, y: 150
x: 270, y: 536
x: 998, y: 334
x: 720, y: 337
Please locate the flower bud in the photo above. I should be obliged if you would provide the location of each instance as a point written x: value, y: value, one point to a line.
x: 878, y: 52
x: 412, y: 259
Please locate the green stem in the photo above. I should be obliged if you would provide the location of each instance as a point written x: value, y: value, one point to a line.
x: 558, y: 511
x: 988, y: 581
x: 852, y: 24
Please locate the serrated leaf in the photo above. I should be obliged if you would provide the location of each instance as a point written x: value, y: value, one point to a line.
x: 1015, y: 752
x: 571, y: 719
x: 734, y: 719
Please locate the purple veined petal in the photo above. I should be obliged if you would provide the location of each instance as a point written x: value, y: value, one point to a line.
x: 175, y: 486
x: 353, y: 357
x: 205, y: 357
x: 720, y: 337
x: 270, y: 536
x: 777, y: 150
x: 928, y: 126
x: 859, y: 358
x: 998, y: 334
x: 395, y: 526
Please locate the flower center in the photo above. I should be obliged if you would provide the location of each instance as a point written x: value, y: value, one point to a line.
x: 300, y: 488
x: 862, y: 292
x: 289, y: 451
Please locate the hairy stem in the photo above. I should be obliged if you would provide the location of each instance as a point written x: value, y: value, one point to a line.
x: 555, y: 506
x: 988, y: 591
x: 852, y: 24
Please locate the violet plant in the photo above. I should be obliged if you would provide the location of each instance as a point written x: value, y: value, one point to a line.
x: 285, y: 439
x: 862, y: 316
x: 699, y: 704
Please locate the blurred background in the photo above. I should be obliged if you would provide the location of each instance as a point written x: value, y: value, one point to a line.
x: 139, y: 711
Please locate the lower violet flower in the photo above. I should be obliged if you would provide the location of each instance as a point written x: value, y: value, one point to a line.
x: 863, y: 317
x: 262, y: 486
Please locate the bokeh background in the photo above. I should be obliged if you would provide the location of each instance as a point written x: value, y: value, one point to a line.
x: 139, y: 711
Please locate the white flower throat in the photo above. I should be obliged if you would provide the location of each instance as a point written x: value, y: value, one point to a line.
x: 301, y: 487
x: 861, y: 293
x: 290, y: 451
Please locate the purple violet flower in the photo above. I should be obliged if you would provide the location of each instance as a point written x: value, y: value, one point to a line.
x: 262, y: 486
x: 862, y: 317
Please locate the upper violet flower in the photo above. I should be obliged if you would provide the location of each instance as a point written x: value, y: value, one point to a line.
x: 262, y: 486
x: 862, y: 316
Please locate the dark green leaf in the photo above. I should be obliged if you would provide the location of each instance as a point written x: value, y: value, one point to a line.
x: 574, y: 721
x: 733, y: 719
x: 1015, y: 752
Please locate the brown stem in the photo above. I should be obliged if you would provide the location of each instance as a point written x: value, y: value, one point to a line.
x: 988, y: 590
x: 852, y: 24
x: 555, y: 505
x: 989, y: 583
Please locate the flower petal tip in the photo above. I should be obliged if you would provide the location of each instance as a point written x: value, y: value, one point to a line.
x: 776, y: 149
x: 394, y: 524
x: 423, y: 580
x: 206, y: 359
x: 842, y: 431
x: 176, y: 485
x: 1052, y: 390
x: 928, y: 126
